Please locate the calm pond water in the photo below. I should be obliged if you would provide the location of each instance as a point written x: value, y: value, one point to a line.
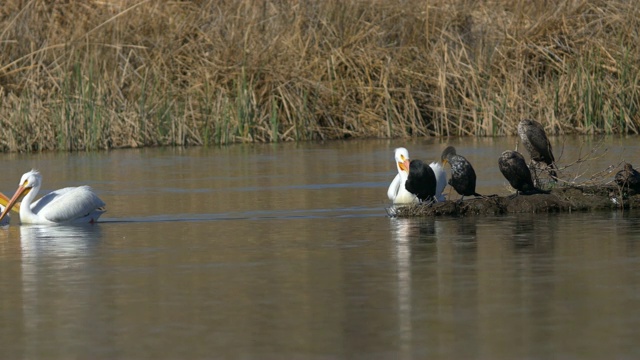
x: 285, y: 251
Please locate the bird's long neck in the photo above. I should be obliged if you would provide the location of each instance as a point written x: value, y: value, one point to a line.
x: 25, y: 207
x: 402, y: 179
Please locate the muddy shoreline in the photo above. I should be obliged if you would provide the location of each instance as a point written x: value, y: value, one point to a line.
x: 562, y: 199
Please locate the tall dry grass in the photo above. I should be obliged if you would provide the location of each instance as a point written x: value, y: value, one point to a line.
x: 104, y: 74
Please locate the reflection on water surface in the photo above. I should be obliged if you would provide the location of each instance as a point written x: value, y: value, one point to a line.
x: 284, y: 251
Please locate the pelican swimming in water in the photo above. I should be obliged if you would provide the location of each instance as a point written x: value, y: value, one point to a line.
x: 68, y: 205
x: 398, y: 192
x: 4, y: 201
x: 6, y: 220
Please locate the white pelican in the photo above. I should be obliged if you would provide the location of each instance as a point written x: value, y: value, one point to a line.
x: 68, y: 205
x: 397, y: 191
x: 4, y: 201
x: 6, y: 220
x: 441, y: 180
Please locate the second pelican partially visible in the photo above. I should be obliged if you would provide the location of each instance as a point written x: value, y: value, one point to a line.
x: 68, y: 205
x: 3, y: 203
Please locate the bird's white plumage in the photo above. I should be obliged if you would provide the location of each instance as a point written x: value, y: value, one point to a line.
x: 68, y: 205
x: 397, y: 192
x: 441, y: 180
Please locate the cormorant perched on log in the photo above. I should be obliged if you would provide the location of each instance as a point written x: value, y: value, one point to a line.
x: 629, y: 178
x: 463, y: 177
x: 534, y: 139
x: 514, y: 168
x: 421, y: 181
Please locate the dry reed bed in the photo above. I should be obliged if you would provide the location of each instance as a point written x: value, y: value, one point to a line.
x: 105, y: 74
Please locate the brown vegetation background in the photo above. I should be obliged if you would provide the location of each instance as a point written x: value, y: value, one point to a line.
x: 80, y: 75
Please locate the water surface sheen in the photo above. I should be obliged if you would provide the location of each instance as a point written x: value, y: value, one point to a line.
x: 285, y: 251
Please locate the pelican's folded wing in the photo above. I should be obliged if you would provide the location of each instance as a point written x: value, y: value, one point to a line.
x: 392, y: 192
x: 68, y: 204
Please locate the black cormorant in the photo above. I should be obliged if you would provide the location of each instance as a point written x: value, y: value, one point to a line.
x: 629, y: 178
x: 463, y: 177
x: 421, y: 180
x: 534, y: 139
x: 514, y: 168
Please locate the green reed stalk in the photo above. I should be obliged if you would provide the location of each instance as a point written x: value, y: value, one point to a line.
x: 273, y: 120
x: 206, y: 114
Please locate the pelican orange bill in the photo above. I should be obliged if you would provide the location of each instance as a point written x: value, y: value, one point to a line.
x: 20, y: 193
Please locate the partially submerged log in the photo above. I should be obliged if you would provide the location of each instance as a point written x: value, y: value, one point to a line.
x: 562, y: 199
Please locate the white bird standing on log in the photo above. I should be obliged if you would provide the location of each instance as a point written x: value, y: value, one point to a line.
x: 70, y: 205
x: 397, y: 192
